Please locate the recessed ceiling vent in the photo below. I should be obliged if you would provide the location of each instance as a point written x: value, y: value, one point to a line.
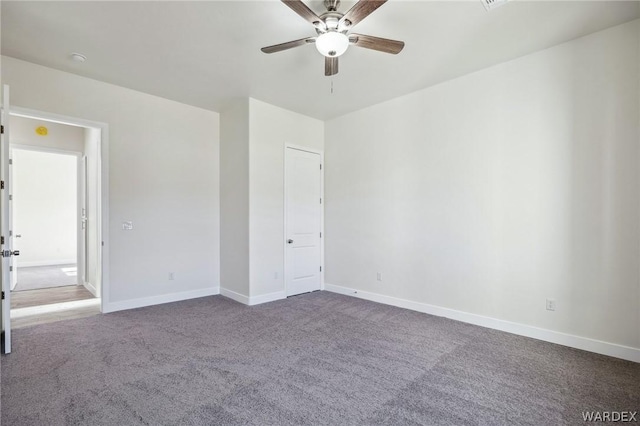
x: 492, y: 4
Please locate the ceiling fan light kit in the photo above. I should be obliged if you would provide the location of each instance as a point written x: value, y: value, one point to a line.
x: 333, y: 31
x: 332, y: 43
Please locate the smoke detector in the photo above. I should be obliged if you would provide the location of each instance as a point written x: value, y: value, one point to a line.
x: 78, y: 57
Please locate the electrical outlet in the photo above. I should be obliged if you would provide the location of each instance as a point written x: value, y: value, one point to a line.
x: 171, y: 276
x: 551, y: 305
x: 379, y: 276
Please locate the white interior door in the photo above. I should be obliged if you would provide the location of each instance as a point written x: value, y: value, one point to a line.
x: 5, y: 213
x: 303, y: 205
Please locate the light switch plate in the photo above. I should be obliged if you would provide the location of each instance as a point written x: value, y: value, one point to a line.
x: 127, y: 226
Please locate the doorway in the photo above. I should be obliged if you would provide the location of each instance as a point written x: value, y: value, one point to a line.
x: 303, y: 220
x: 53, y: 201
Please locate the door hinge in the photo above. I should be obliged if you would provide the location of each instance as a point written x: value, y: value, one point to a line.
x: 10, y: 197
x: 321, y: 235
x: 2, y: 240
x: 1, y: 184
x: 320, y: 166
x: 10, y: 161
x: 3, y: 295
x: 320, y: 198
x: 10, y: 268
x: 321, y: 269
x: 2, y: 131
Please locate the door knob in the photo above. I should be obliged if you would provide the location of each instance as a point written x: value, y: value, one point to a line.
x: 290, y: 241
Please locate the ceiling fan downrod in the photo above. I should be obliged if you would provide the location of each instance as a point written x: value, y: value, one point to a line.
x: 332, y: 5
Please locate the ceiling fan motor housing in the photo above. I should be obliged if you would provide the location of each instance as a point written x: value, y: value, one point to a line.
x: 332, y: 22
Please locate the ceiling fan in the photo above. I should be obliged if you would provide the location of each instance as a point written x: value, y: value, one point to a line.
x: 333, y: 29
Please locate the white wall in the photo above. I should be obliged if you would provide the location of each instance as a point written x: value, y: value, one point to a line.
x: 253, y: 137
x: 270, y: 129
x: 492, y: 192
x: 234, y: 198
x: 45, y: 195
x: 164, y: 176
x: 59, y: 136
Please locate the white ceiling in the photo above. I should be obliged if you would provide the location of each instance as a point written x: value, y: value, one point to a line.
x: 207, y: 52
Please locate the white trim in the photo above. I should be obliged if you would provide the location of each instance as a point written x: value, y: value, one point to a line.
x: 158, y: 300
x: 241, y: 298
x: 305, y: 149
x: 81, y: 249
x: 90, y: 288
x: 103, y: 199
x: 47, y: 149
x: 54, y: 118
x: 265, y: 298
x: 584, y: 343
x: 253, y: 300
x: 54, y: 262
x: 284, y: 202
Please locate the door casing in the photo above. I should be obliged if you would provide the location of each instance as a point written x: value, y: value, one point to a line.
x: 103, y: 188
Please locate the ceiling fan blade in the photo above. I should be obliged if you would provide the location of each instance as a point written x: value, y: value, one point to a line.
x: 288, y: 45
x: 303, y: 10
x: 361, y: 10
x: 330, y: 66
x: 376, y: 43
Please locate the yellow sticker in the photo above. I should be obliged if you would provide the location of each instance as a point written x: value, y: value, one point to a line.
x: 42, y: 131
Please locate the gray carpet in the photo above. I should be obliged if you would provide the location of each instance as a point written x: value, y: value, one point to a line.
x: 319, y: 358
x: 37, y: 277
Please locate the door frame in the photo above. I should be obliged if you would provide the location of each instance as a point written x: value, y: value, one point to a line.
x: 80, y: 185
x: 284, y: 202
x: 103, y: 186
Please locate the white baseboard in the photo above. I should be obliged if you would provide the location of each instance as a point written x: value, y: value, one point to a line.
x: 265, y: 298
x: 584, y: 343
x: 241, y: 298
x: 91, y: 288
x: 158, y: 300
x: 28, y: 264
x: 252, y: 300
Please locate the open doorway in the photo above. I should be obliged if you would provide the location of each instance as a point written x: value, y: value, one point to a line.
x: 54, y: 199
